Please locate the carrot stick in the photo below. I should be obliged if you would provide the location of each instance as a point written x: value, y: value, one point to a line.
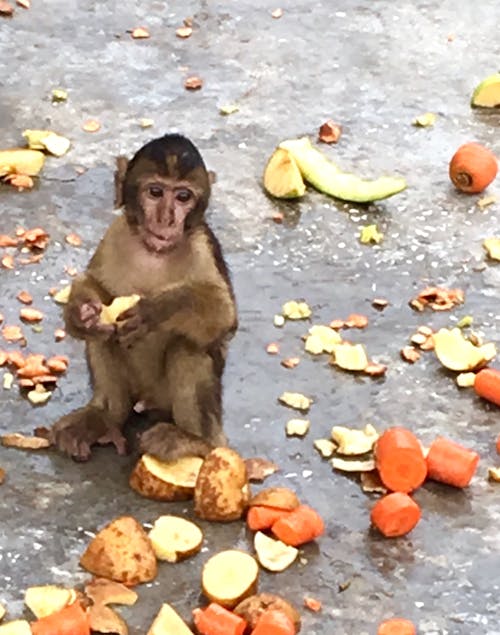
x: 216, y: 620
x: 300, y: 526
x: 487, y: 385
x: 395, y: 514
x: 451, y: 463
x: 71, y: 620
x: 397, y: 626
x: 261, y: 517
x: 400, y: 460
x: 274, y: 622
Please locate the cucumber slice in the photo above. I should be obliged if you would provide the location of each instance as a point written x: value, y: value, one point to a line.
x: 326, y: 177
x: 487, y: 93
x: 282, y: 177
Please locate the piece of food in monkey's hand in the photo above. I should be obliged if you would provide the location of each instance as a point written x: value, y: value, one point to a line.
x: 252, y: 608
x: 174, y: 538
x: 230, y: 576
x: 104, y: 591
x: 16, y: 627
x: 277, y: 497
x: 119, y: 305
x: 273, y: 554
x: 62, y: 296
x: 222, y: 490
x: 121, y: 551
x: 44, y: 600
x: 102, y: 619
x: 166, y: 481
x: 168, y: 622
x: 282, y: 178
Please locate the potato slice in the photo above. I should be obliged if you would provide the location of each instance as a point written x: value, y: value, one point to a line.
x: 297, y: 427
x: 110, y: 312
x: 45, y: 600
x: 294, y: 310
x: 121, y: 551
x: 295, y: 400
x: 168, y: 622
x: 222, y: 490
x: 174, y: 538
x: 325, y: 447
x: 102, y: 619
x: 16, y: 627
x: 230, y: 576
x: 278, y: 497
x: 252, y: 608
x: 273, y: 554
x: 350, y: 356
x: 166, y: 481
x: 21, y: 161
x: 346, y: 465
x: 354, y: 442
x: 466, y: 380
x: 459, y: 354
x: 104, y: 591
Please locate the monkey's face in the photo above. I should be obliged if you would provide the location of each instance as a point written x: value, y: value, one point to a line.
x: 164, y: 205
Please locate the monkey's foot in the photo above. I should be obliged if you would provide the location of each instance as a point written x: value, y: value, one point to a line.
x: 77, y: 432
x: 167, y: 442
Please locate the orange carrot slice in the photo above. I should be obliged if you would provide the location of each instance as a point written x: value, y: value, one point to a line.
x: 451, y: 463
x: 400, y: 460
x: 274, y: 622
x: 261, y: 517
x: 397, y: 626
x: 395, y: 514
x: 71, y: 620
x: 216, y: 620
x: 300, y: 526
x: 487, y: 385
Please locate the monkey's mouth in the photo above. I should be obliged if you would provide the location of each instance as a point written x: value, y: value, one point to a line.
x: 159, y: 242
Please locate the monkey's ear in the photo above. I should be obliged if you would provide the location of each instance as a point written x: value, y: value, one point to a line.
x: 121, y: 169
x: 212, y: 177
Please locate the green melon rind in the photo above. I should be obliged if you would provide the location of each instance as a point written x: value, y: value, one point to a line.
x: 326, y: 177
x: 491, y: 82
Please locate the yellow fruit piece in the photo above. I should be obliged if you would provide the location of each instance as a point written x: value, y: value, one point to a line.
x: 168, y: 622
x: 119, y: 305
x: 297, y: 427
x: 272, y: 554
x: 16, y: 627
x: 370, y: 234
x: 62, y: 296
x: 295, y: 400
x: 48, y: 599
x: 325, y: 447
x: 47, y: 140
x: 21, y: 161
x: 350, y: 356
x: 459, y: 354
x: 487, y: 93
x: 294, y: 310
x: 282, y: 177
x: 492, y: 246
x: 425, y: 121
x: 322, y: 339
x: 174, y: 538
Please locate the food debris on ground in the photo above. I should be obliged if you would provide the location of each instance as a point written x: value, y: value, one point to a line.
x: 229, y: 577
x: 451, y: 463
x: 193, y: 82
x: 371, y: 483
x: 400, y: 460
x: 487, y: 385
x: 410, y: 354
x: 329, y: 132
x: 295, y: 400
x: 312, y: 604
x: 492, y: 246
x: 272, y: 554
x: 140, y: 33
x: 486, y: 201
x: 17, y: 440
x: 165, y: 480
x: 437, y: 299
x: 395, y: 514
x: 487, y: 93
x: 254, y: 606
x: 297, y: 427
x: 290, y: 362
x: 184, y: 32
x: 259, y: 469
x: 168, y: 622
x: 175, y: 538
x: 302, y: 525
x: 472, y: 168
x: 350, y: 357
x: 91, y: 125
x: 31, y: 315
x: 103, y: 619
x: 397, y: 626
x: 215, y: 619
x: 276, y: 497
x: 47, y: 599
x: 457, y: 353
x: 277, y: 13
x: 379, y: 303
x: 494, y: 474
x: 294, y: 310
x: 273, y: 348
x: 321, y: 339
x: 370, y: 234
x: 325, y: 447
x: 279, y: 320
x: 352, y: 442
x: 47, y: 140
x: 73, y: 239
x: 350, y: 465
x: 466, y: 380
x: 104, y: 591
x: 426, y: 120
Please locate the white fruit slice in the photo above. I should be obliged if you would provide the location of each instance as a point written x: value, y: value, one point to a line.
x: 273, y: 554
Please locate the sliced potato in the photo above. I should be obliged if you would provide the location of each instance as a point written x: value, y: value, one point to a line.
x: 325, y: 447
x: 110, y: 312
x: 466, y: 380
x: 347, y: 465
x: 350, y: 356
x: 102, y: 619
x: 278, y: 497
x: 222, y: 490
x: 230, y: 576
x: 16, y: 627
x: 121, y: 551
x: 252, y: 608
x: 295, y: 400
x: 21, y: 161
x: 459, y: 354
x: 297, y: 427
x: 104, y: 591
x: 174, y: 538
x: 168, y: 622
x: 273, y: 554
x: 45, y: 600
x: 294, y: 310
x: 354, y: 442
x: 166, y: 481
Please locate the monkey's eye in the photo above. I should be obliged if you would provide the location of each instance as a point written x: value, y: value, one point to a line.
x: 155, y: 191
x: 183, y: 196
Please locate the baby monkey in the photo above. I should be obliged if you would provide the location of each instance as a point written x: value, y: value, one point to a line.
x: 169, y: 350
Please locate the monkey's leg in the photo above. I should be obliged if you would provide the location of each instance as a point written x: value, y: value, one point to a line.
x: 101, y: 420
x: 193, y: 388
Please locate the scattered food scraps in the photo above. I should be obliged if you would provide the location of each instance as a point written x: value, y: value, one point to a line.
x: 103, y: 619
x: 394, y: 515
x: 21, y: 181
x: 410, y: 354
x: 350, y: 357
x: 379, y: 303
x: 277, y: 13
x: 487, y: 93
x: 297, y: 427
x: 36, y: 238
x: 146, y: 123
x: 322, y: 339
x: 370, y: 234
x: 175, y: 538
x: 466, y: 380
x: 59, y: 335
x: 193, y: 82
x: 329, y: 132
x: 487, y: 386
x: 492, y: 246
x: 17, y: 440
x: 21, y: 161
x: 6, y: 8
x: 290, y: 362
x: 59, y: 95
x: 73, y: 239
x: 228, y: 109
x: 140, y: 33
x: 39, y: 395
x: 62, y: 296
x: 12, y: 333
x: 426, y: 120
x: 184, y: 32
x: 8, y: 262
x: 457, y: 353
x: 47, y: 140
x: 352, y: 465
x: 295, y: 400
x: 312, y: 604
x: 325, y: 447
x: 44, y: 600
x: 451, y: 463
x: 272, y: 348
x: 278, y: 320
x: 25, y: 4
x: 104, y: 591
x: 437, y: 299
x: 371, y: 483
x: 282, y: 177
x: 229, y: 576
x: 472, y: 168
x: 354, y: 442
x: 494, y: 474
x: 272, y: 554
x: 259, y: 469
x: 165, y: 481
x: 31, y: 315
x: 465, y: 322
x: 8, y: 381
x: 486, y: 201
x: 24, y: 297
x: 91, y: 125
x: 356, y: 320
x: 294, y: 310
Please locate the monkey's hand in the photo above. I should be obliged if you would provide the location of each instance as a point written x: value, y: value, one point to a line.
x: 84, y: 318
x: 132, y: 325
x: 77, y: 432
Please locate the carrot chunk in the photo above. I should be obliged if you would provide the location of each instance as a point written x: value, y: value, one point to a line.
x: 451, y: 463
x: 300, y: 526
x: 400, y: 460
x: 274, y: 622
x: 216, y: 620
x: 260, y: 517
x: 71, y: 620
x: 395, y: 514
x: 487, y: 385
x: 397, y: 626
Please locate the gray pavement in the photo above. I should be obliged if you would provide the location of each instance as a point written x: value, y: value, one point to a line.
x: 373, y: 67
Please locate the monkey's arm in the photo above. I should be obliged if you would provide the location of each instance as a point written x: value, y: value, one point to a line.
x: 81, y: 313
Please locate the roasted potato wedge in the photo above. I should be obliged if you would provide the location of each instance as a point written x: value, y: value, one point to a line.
x: 278, y: 497
x: 165, y: 481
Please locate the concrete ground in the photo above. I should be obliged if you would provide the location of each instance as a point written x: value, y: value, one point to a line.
x: 373, y: 67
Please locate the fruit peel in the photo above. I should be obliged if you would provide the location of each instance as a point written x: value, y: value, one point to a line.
x: 487, y: 93
x: 282, y: 177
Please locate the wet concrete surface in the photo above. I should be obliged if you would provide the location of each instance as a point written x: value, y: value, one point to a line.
x: 373, y: 67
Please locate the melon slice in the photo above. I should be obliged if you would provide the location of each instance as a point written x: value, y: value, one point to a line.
x: 487, y: 93
x: 282, y: 177
x: 326, y: 177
